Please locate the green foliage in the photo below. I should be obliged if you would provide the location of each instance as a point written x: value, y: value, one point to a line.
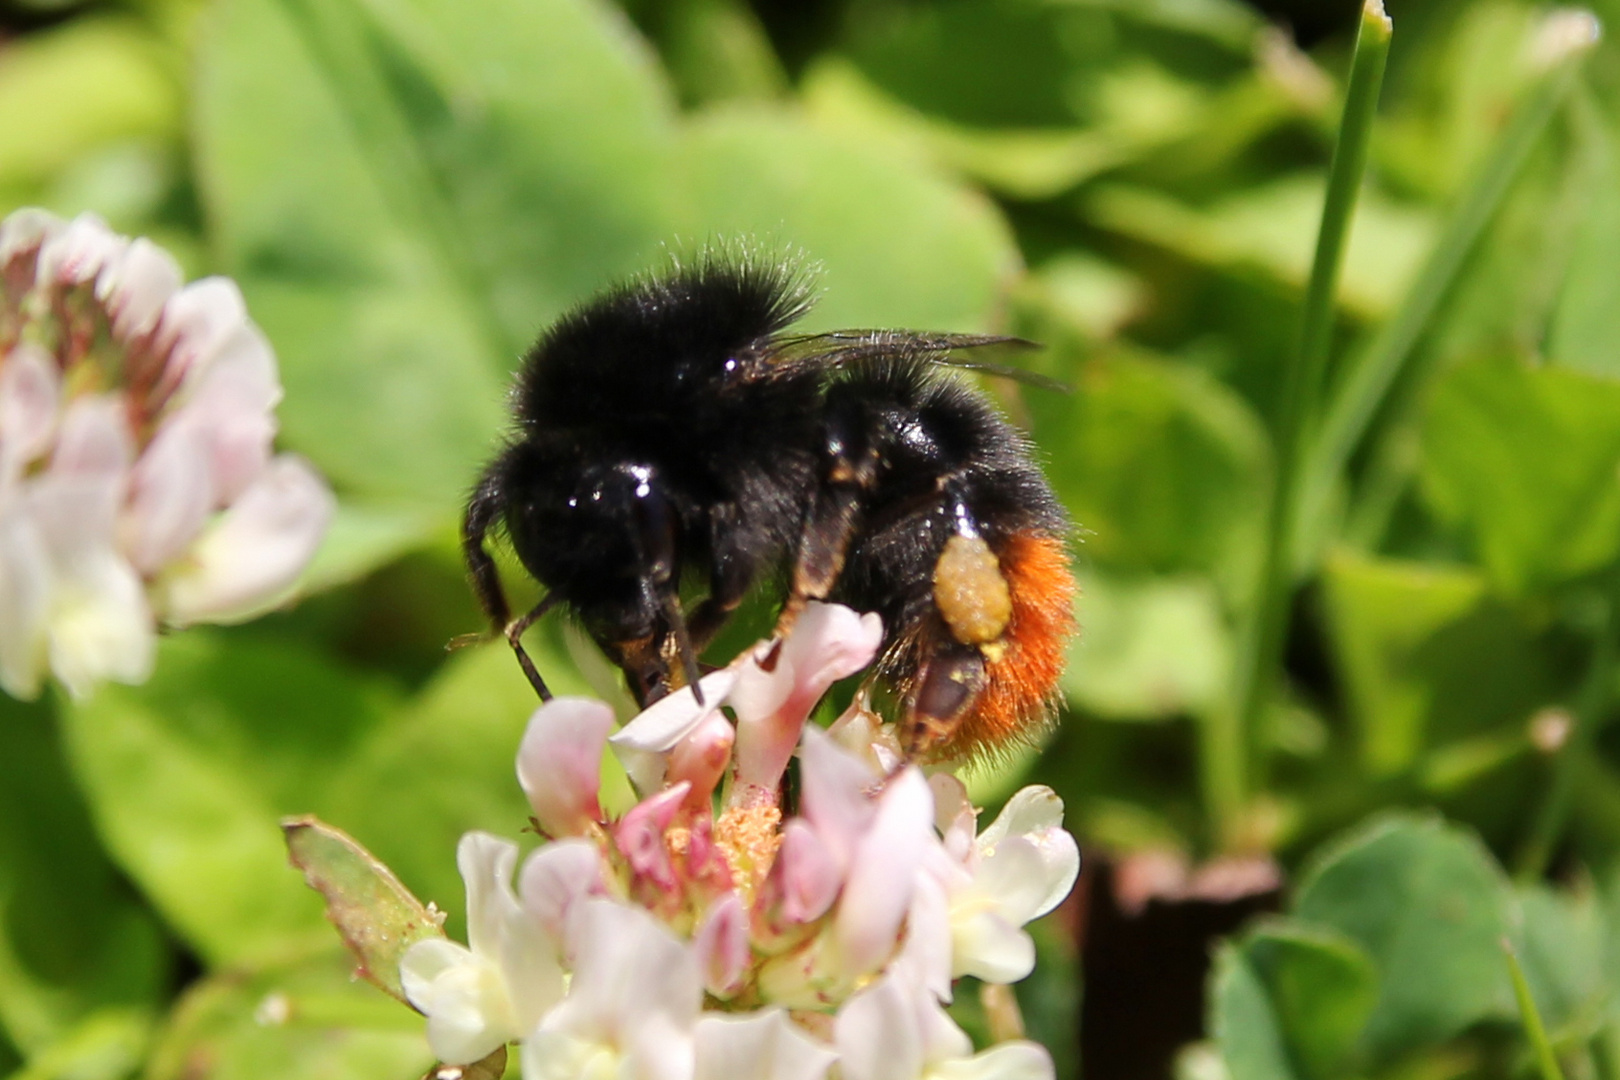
x: 407, y: 190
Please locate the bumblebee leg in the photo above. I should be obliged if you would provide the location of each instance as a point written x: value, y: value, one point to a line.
x: 949, y: 681
x: 849, y: 471
x: 514, y: 637
x: 483, y: 510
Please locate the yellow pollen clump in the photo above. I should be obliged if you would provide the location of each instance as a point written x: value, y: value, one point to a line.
x: 970, y: 592
x: 749, y: 835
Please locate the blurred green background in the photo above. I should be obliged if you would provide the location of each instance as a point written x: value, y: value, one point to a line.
x: 407, y: 190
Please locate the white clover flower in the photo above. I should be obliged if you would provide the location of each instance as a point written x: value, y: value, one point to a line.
x: 1018, y: 869
x: 137, y: 486
x: 632, y: 1003
x: 857, y: 910
x: 495, y: 989
x: 895, y: 1030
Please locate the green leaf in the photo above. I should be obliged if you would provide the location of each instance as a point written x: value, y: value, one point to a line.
x: 87, y: 83
x: 74, y: 941
x: 189, y: 776
x: 446, y: 764
x: 1429, y: 905
x: 108, y: 1044
x: 1586, y: 322
x: 1561, y: 945
x: 409, y: 191
x: 310, y: 1020
x: 1162, y: 467
x: 1323, y: 988
x: 1427, y: 656
x: 1271, y: 228
x: 896, y: 247
x: 406, y: 192
x: 1149, y: 649
x: 1527, y: 461
x: 1244, y: 1022
x: 376, y: 916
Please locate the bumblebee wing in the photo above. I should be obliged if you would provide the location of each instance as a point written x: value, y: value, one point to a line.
x: 841, y: 348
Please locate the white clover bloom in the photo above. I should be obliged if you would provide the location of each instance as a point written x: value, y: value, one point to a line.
x: 1018, y: 869
x: 896, y: 1030
x: 758, y: 1046
x: 632, y: 1003
x: 495, y: 989
x: 858, y: 909
x: 137, y: 486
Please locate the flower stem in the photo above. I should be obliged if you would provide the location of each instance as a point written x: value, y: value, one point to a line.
x: 1236, y: 738
x: 1591, y: 707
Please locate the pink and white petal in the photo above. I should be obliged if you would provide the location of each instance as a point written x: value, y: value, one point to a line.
x: 486, y: 863
x: 1036, y: 815
x: 196, y: 323
x: 989, y: 947
x: 78, y: 253
x: 135, y: 286
x: 639, y: 836
x: 829, y: 642
x: 955, y: 816
x: 171, y: 496
x: 629, y: 973
x: 100, y: 625
x: 561, y: 1055
x: 94, y: 439
x: 942, y: 1040
x: 99, y: 622
x: 863, y: 734
x: 758, y: 1046
x: 25, y: 594
x: 26, y: 230
x: 721, y: 942
x: 877, y: 1035
x: 30, y: 396
x: 233, y: 399
x: 1008, y: 1061
x: 249, y: 560
x: 1032, y: 809
x: 883, y: 874
x: 555, y: 878
x: 463, y: 997
x: 927, y: 952
x: 834, y: 797
x: 670, y: 719
x: 804, y: 875
x: 702, y: 758
x: 1015, y: 878
x: 559, y: 763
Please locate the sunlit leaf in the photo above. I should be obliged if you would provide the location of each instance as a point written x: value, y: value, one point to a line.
x: 376, y: 916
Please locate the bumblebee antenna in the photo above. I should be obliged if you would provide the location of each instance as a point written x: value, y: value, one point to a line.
x: 683, y: 643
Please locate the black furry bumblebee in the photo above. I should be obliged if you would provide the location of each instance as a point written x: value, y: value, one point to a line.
x: 672, y: 428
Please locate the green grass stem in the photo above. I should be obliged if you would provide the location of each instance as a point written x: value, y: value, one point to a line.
x: 1235, y: 738
x: 1534, y: 1029
x: 1363, y: 392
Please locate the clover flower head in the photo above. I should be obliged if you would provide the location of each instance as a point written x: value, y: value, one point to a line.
x: 714, y: 930
x: 137, y: 486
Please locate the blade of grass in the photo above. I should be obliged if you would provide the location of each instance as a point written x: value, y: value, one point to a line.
x: 1534, y: 1029
x: 1362, y: 394
x: 1234, y: 738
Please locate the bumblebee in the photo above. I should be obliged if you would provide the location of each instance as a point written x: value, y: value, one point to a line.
x: 673, y: 429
